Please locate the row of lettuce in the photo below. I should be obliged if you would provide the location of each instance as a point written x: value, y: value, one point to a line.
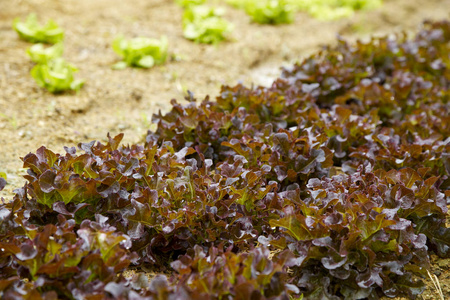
x: 333, y: 183
x: 202, y: 23
x: 56, y: 75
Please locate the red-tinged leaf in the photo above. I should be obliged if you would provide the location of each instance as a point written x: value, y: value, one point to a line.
x: 237, y: 147
x: 180, y: 155
x: 129, y: 167
x: 42, y: 238
x: 27, y: 252
x: 294, y: 227
x: 292, y: 175
x: 331, y: 264
x: 114, y: 142
x: 57, y: 269
x: 415, y: 151
x: 7, y: 249
x: 305, y: 165
x: 143, y: 214
x: 47, y: 181
x: 408, y: 176
x: 281, y: 140
x: 343, y: 113
x: 32, y: 162
x: 5, y: 283
x: 370, y: 278
x: 423, y: 171
x: 328, y: 162
x: 51, y: 157
x: 392, y: 177
x: 71, y: 189
x: 251, y: 178
x: 431, y: 181
x: 370, y: 228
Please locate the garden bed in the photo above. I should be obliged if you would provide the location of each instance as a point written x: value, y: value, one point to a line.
x: 123, y: 101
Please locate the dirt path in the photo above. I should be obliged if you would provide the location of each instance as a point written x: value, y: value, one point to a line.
x: 124, y: 101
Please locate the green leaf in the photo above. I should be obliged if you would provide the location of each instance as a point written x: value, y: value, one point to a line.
x: 71, y: 189
x: 121, y: 65
x: 408, y: 176
x: 294, y: 227
x: 146, y: 62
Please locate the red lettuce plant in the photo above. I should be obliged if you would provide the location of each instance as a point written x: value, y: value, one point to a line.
x: 332, y: 183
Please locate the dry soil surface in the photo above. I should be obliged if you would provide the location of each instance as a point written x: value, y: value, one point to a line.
x: 124, y: 101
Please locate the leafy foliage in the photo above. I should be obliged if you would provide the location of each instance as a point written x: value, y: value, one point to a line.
x: 267, y: 11
x: 332, y: 183
x: 333, y: 9
x: 41, y: 55
x: 204, y: 24
x: 223, y: 274
x: 140, y: 52
x: 56, y: 75
x: 282, y: 11
x: 187, y: 3
x: 61, y: 260
x: 31, y: 31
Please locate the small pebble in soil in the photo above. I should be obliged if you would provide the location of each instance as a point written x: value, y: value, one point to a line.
x: 25, y: 134
x: 136, y: 95
x: 122, y: 126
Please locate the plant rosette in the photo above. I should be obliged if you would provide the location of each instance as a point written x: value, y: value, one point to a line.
x: 204, y: 24
x: 31, y: 31
x: 140, y: 52
x: 326, y: 10
x: 41, y: 55
x: 270, y: 12
x: 56, y: 76
x: 187, y: 3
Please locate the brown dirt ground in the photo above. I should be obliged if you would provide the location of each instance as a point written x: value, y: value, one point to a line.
x: 124, y: 101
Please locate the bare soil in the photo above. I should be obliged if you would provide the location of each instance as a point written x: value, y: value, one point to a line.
x: 124, y: 101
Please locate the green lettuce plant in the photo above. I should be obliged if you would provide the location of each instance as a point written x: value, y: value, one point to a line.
x: 267, y: 11
x: 56, y: 76
x: 204, y: 24
x: 333, y: 9
x: 33, y: 32
x: 187, y: 3
x: 140, y: 52
x: 40, y: 54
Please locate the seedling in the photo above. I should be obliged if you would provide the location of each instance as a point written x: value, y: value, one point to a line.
x: 333, y: 9
x: 31, y: 31
x: 204, y: 24
x: 282, y: 11
x: 56, y: 76
x: 267, y: 11
x: 41, y: 55
x: 187, y: 3
x: 140, y: 52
